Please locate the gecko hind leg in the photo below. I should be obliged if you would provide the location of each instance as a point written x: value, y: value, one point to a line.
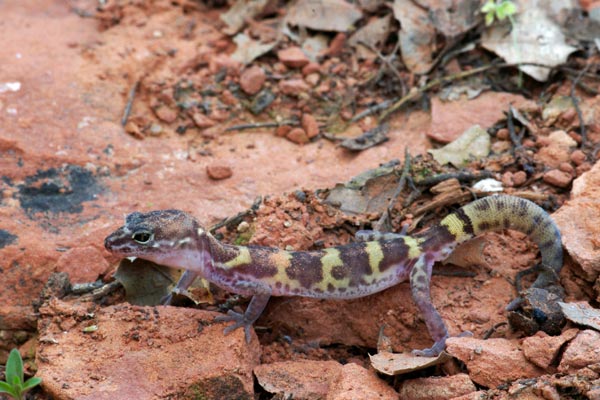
x: 420, y: 279
x: 255, y: 308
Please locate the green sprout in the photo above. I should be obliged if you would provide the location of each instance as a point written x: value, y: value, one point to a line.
x: 14, y: 386
x: 500, y: 10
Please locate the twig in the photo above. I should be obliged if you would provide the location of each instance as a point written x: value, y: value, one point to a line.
x: 129, y: 105
x: 461, y: 176
x: 242, y: 127
x: 385, y: 216
x: 582, y: 130
x: 387, y: 61
x: 412, y: 94
x: 514, y: 138
x: 373, y: 109
x: 493, y: 329
x: 238, y: 216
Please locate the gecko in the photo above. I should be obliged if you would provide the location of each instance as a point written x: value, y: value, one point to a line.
x: 376, y: 261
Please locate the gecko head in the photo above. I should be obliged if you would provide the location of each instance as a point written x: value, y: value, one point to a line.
x: 163, y: 236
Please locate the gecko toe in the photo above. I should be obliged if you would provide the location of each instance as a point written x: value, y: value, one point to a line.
x: 239, y: 322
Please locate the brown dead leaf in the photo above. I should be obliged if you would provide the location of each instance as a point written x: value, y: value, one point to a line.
x: 417, y: 35
x: 403, y: 363
x: 324, y: 15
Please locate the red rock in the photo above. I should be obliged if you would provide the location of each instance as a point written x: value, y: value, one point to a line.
x: 580, y: 169
x: 503, y: 134
x: 312, y: 79
x: 202, y: 121
x: 165, y: 114
x: 578, y: 157
x: 282, y: 130
x: 337, y: 44
x: 355, y: 382
x: 541, y: 349
x: 159, y: 347
x: 252, y: 80
x: 297, y: 135
x: 583, y: 351
x: 228, y: 98
x: 556, y: 149
x: 310, y: 125
x: 436, y: 388
x: 311, y: 68
x: 293, y: 87
x: 507, y: 179
x: 219, y: 171
x: 566, y: 167
x: 293, y: 57
x: 492, y: 362
x: 222, y: 61
x: 450, y: 119
x: 83, y: 264
x: 579, y: 220
x: 519, y: 178
x: 558, y: 178
x: 298, y: 379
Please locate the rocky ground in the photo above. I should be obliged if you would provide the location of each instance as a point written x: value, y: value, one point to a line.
x: 209, y: 134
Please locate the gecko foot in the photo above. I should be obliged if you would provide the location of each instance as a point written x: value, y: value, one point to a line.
x: 438, y: 346
x: 240, y: 321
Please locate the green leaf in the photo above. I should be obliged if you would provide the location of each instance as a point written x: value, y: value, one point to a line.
x: 6, y: 388
x: 31, y: 383
x: 489, y: 7
x: 506, y: 9
x: 489, y: 19
x: 14, y: 367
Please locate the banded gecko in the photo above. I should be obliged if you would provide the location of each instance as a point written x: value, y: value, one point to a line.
x: 175, y: 239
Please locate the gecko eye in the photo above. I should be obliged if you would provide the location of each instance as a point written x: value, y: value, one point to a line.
x: 142, y: 237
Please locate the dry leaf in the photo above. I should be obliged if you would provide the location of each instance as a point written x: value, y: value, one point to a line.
x: 324, y: 15
x: 417, y: 36
x: 535, y: 38
x: 474, y: 143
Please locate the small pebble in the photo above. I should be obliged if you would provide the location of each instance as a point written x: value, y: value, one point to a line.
x: 584, y: 167
x: 557, y: 178
x: 293, y: 57
x: 252, y: 80
x: 218, y: 171
x: 519, y: 178
x: 566, y: 167
x: 297, y: 135
x: 503, y: 134
x: 282, y: 130
x: 243, y: 227
x: 293, y: 87
x: 578, y: 157
x: 310, y: 125
x: 311, y: 68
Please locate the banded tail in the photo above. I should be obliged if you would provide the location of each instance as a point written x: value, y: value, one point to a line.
x: 495, y: 213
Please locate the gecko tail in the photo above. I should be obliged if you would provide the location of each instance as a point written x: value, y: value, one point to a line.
x: 500, y: 212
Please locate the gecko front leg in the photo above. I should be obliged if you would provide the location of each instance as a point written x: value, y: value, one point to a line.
x: 185, y: 281
x: 259, y: 301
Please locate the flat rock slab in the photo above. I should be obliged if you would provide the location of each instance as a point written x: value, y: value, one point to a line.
x: 141, y: 353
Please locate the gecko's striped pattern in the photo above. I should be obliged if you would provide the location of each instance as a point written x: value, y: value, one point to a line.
x: 354, y: 270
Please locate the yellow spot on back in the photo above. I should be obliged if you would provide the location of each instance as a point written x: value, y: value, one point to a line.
x: 330, y: 260
x: 414, y: 248
x: 375, y: 253
x: 282, y: 261
x: 242, y: 258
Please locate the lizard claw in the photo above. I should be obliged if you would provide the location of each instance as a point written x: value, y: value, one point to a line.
x: 240, y: 321
x: 438, y: 346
